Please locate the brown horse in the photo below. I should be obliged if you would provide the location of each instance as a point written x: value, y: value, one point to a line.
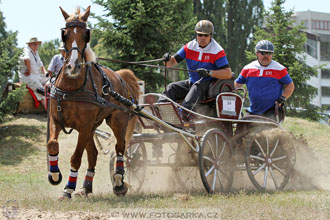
x: 82, y: 95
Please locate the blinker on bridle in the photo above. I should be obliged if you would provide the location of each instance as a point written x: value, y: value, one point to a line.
x: 70, y: 24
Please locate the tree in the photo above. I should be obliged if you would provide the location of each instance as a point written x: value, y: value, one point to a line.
x: 234, y: 24
x: 289, y: 48
x: 145, y: 29
x: 47, y: 50
x: 8, y: 65
x: 243, y: 16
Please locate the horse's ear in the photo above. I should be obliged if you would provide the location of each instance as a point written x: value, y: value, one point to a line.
x: 84, y: 17
x: 65, y: 15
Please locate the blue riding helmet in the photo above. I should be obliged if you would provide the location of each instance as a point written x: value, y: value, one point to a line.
x: 265, y: 45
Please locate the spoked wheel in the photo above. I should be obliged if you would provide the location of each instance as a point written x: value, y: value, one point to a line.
x: 185, y: 168
x: 269, y: 159
x: 215, y: 160
x: 135, y: 166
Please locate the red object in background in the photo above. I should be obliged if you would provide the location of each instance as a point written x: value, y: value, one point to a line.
x: 36, y: 101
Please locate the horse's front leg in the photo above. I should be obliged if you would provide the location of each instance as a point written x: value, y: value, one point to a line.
x: 54, y: 174
x: 70, y: 187
x: 92, y: 158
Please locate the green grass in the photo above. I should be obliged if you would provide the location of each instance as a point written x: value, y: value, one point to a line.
x: 23, y: 177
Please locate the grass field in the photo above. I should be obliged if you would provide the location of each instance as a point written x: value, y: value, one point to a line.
x: 24, y: 186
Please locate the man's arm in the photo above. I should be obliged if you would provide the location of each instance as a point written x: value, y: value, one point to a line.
x: 28, y: 67
x: 225, y: 73
x: 237, y: 85
x: 288, y: 90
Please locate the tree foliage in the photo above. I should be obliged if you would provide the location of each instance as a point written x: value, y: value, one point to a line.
x: 8, y: 63
x: 289, y: 48
x: 47, y: 50
x: 143, y: 30
x: 8, y: 53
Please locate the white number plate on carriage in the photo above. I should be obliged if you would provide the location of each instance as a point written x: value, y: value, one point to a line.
x: 228, y: 105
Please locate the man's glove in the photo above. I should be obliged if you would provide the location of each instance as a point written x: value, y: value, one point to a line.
x: 203, y: 72
x: 281, y: 100
x: 167, y: 57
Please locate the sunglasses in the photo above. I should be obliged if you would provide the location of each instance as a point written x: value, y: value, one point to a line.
x: 203, y: 35
x: 265, y: 53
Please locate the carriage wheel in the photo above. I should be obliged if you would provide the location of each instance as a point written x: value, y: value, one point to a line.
x: 135, y: 165
x: 269, y: 160
x: 216, y: 164
x: 185, y: 168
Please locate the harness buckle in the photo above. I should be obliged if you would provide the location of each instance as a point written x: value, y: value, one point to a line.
x: 59, y: 108
x: 103, y: 90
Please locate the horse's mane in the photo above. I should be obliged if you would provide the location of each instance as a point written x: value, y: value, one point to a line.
x: 75, y: 16
x: 90, y: 55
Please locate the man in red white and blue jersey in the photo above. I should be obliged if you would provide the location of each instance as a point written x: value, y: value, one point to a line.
x: 208, y: 62
x: 267, y: 81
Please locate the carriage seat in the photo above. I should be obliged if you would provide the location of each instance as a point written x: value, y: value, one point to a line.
x: 217, y: 87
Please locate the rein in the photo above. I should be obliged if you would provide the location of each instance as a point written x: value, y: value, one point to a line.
x: 143, y: 63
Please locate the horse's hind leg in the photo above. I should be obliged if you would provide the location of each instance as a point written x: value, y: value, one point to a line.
x: 119, y: 125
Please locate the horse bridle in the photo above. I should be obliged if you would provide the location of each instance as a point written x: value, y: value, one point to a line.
x: 75, y: 23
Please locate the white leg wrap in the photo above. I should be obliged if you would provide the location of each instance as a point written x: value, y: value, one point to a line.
x: 118, y: 179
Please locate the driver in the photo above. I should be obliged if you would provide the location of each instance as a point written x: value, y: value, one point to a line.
x: 267, y: 81
x: 207, y: 58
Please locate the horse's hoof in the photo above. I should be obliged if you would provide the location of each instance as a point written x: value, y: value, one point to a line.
x: 57, y: 178
x: 120, y: 190
x: 81, y: 193
x: 64, y: 196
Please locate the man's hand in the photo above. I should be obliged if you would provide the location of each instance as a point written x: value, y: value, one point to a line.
x: 281, y: 100
x: 167, y: 57
x: 203, y: 72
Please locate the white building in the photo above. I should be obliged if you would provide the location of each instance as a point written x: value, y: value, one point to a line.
x: 317, y: 28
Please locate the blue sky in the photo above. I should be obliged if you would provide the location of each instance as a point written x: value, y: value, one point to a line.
x: 43, y: 18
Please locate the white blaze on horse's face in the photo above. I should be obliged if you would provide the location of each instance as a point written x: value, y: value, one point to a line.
x: 74, y: 57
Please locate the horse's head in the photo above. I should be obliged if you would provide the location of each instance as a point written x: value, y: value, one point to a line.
x: 75, y: 37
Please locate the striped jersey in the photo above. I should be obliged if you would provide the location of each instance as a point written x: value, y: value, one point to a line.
x: 211, y: 57
x: 264, y: 84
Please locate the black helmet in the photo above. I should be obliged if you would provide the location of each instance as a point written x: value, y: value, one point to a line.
x: 264, y: 45
x: 204, y: 27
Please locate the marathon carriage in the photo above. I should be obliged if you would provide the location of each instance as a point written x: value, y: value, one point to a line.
x: 216, y: 142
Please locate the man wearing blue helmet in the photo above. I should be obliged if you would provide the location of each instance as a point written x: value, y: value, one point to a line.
x: 267, y: 81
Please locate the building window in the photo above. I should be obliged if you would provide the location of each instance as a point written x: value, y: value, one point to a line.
x: 325, y: 51
x: 306, y: 24
x: 325, y: 74
x: 325, y: 91
x: 311, y: 48
x: 326, y: 107
x: 320, y: 25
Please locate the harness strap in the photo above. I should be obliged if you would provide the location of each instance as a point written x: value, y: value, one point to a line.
x: 84, y: 95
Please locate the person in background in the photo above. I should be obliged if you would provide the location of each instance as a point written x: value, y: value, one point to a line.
x: 267, y: 81
x: 32, y: 71
x: 57, y: 62
x: 208, y: 62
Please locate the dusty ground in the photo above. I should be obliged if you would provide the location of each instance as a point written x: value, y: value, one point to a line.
x: 312, y: 172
